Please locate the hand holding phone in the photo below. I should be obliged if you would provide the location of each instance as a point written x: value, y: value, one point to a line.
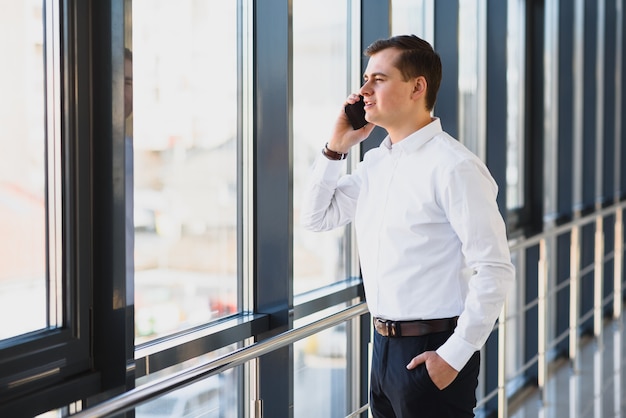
x: 356, y: 114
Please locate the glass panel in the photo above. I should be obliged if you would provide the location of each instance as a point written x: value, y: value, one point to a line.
x: 23, y: 185
x: 320, y: 371
x: 472, y: 75
x: 185, y: 163
x: 214, y: 397
x: 515, y: 104
x: 413, y: 17
x: 320, y: 61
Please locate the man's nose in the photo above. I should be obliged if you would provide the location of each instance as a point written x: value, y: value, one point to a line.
x: 365, y: 90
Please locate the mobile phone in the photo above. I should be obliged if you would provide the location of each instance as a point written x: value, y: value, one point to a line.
x: 356, y: 114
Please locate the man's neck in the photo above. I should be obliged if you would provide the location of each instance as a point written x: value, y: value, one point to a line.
x: 398, y: 134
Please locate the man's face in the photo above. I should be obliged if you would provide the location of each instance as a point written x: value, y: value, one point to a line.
x: 387, y: 96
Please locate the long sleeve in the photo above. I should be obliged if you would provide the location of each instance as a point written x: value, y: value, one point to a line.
x: 330, y: 197
x: 470, y: 203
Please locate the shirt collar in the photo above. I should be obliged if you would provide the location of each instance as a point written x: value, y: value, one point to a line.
x: 416, y: 139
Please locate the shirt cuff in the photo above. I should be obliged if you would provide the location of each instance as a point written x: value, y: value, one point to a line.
x: 328, y: 170
x: 456, y: 352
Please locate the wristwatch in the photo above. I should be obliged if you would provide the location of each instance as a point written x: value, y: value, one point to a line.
x: 333, y: 155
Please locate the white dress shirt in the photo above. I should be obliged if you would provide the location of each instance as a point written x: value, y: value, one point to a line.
x: 431, y: 240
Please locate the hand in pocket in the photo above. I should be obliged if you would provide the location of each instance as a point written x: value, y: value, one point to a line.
x: 440, y: 372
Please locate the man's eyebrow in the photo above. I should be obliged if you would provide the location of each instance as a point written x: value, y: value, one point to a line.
x: 379, y: 74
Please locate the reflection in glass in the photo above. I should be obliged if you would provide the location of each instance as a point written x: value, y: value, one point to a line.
x: 23, y: 170
x: 320, y: 75
x: 185, y: 163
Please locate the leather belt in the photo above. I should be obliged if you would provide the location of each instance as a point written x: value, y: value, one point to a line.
x: 418, y: 328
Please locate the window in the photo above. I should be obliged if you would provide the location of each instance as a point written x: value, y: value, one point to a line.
x: 27, y: 292
x: 321, y: 375
x: 184, y: 137
x: 320, y: 86
x: 44, y: 337
x: 326, y: 54
x: 216, y: 396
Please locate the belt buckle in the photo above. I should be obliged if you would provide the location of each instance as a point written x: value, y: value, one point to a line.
x: 392, y: 328
x: 387, y: 328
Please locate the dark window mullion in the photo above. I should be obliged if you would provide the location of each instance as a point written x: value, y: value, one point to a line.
x: 113, y: 299
x: 447, y: 45
x: 273, y: 287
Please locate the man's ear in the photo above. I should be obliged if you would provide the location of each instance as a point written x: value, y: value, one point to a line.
x: 419, y: 86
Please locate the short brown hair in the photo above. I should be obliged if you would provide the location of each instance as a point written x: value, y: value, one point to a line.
x: 418, y: 58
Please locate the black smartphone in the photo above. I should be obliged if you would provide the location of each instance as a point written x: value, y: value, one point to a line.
x: 356, y: 114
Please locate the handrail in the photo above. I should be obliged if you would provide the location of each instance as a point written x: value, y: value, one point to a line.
x: 156, y: 388
x: 534, y: 239
x: 548, y: 286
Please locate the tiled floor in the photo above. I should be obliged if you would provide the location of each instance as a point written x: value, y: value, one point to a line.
x: 593, y: 387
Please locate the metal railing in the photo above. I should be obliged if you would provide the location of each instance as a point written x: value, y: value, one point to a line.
x: 134, y: 397
x: 548, y: 286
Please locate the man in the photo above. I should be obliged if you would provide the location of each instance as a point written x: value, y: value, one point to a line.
x: 433, y: 249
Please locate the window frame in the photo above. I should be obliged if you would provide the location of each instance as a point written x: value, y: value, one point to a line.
x: 52, y: 367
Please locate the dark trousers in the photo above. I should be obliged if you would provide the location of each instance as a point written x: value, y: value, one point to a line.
x: 397, y: 392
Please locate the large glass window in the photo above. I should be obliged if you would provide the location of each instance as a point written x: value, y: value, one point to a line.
x: 320, y: 86
x: 321, y: 80
x: 184, y: 137
x: 28, y: 185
